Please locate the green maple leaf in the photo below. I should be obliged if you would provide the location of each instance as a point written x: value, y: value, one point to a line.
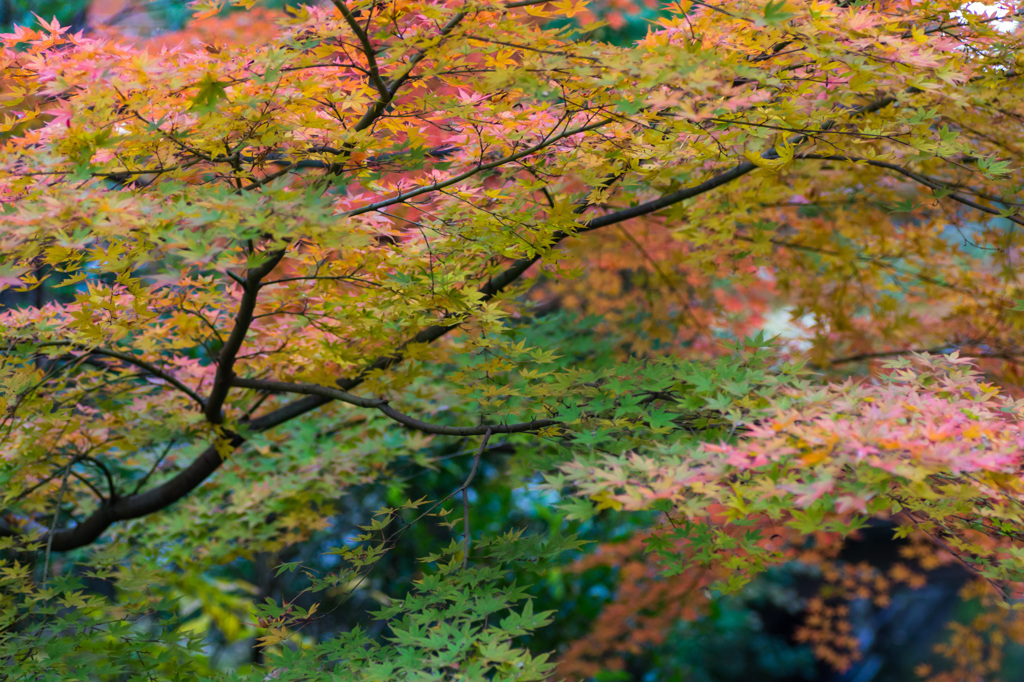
x: 210, y: 92
x: 774, y: 14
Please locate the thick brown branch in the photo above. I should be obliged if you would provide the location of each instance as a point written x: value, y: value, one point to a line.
x: 228, y: 352
x: 143, y: 504
x: 367, y: 47
x: 306, y: 389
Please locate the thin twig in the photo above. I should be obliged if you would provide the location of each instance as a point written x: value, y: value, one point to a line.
x: 932, y: 183
x: 131, y: 360
x: 382, y: 405
x: 465, y: 498
x: 56, y: 516
x: 156, y: 465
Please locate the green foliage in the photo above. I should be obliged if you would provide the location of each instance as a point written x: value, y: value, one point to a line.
x: 461, y: 621
x: 23, y: 12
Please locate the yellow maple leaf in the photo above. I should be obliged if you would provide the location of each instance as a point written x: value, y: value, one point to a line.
x: 779, y: 157
x: 605, y: 500
x: 206, y: 9
x: 570, y: 8
x: 815, y: 456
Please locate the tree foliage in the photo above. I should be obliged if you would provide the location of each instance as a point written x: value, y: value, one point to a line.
x: 274, y: 271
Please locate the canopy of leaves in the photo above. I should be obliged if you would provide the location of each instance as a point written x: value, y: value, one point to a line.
x: 243, y: 280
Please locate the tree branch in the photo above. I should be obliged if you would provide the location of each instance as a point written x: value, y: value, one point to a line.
x: 228, y: 352
x: 149, y: 367
x: 135, y: 506
x: 934, y: 350
x: 443, y: 35
x: 475, y: 170
x: 932, y: 183
x: 465, y: 498
x: 385, y: 408
x: 364, y: 41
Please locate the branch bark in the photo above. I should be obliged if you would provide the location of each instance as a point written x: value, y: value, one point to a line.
x: 383, y: 406
x: 130, y: 359
x: 367, y: 47
x: 229, y: 351
x: 932, y: 183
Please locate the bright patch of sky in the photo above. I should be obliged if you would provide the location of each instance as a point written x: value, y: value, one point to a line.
x: 1007, y: 25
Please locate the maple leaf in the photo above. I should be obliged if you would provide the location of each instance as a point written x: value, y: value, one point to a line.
x: 53, y: 26
x: 211, y: 92
x: 773, y: 14
x: 204, y: 9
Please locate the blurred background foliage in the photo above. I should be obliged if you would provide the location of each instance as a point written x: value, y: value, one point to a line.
x: 620, y: 21
x: 20, y: 11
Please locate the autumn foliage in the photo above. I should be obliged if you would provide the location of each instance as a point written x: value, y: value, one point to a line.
x: 276, y: 269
